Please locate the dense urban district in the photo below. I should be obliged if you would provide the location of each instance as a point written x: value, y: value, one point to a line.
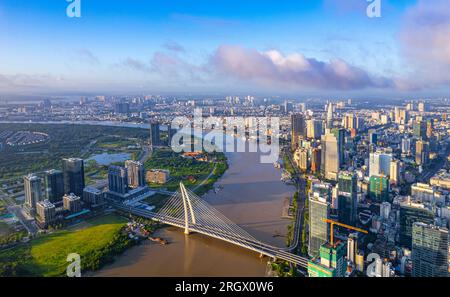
x: 372, y: 179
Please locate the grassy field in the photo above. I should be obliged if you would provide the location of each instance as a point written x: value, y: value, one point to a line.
x: 46, y: 255
x: 4, y: 229
x: 180, y: 168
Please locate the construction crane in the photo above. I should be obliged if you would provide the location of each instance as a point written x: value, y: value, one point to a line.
x: 332, y: 223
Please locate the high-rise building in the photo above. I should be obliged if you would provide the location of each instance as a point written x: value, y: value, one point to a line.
x: 154, y: 134
x: 32, y: 189
x: 136, y: 174
x: 379, y: 188
x: 117, y: 179
x: 422, y: 107
x: 93, y: 196
x: 73, y: 171
x: 72, y: 203
x: 429, y: 251
x: 319, y: 209
x: 423, y: 192
x: 315, y: 159
x: 45, y: 213
x: 301, y: 157
x: 340, y: 136
x: 122, y: 107
x: 394, y: 172
x: 170, y: 133
x: 401, y: 116
x: 350, y: 121
x: 373, y: 137
x: 330, y: 112
x: 321, y: 189
x: 332, y: 262
x: 314, y: 128
x: 298, y: 128
x: 430, y: 127
x: 410, y: 213
x: 406, y: 146
x: 288, y: 107
x: 54, y: 185
x: 352, y: 247
x: 380, y: 163
x: 420, y: 129
x: 347, y: 198
x: 330, y: 156
x: 422, y: 152
x: 385, y: 210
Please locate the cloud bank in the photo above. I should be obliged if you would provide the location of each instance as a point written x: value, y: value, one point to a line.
x: 272, y: 68
x: 425, y: 37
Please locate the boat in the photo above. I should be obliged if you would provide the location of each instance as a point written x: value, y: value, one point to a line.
x: 158, y: 240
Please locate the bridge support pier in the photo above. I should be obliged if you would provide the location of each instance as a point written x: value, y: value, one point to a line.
x: 186, y: 205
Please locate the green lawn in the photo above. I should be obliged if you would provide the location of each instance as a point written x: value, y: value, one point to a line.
x: 180, y: 168
x: 4, y: 229
x: 46, y: 255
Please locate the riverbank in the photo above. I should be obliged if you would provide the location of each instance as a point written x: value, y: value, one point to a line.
x: 97, y: 241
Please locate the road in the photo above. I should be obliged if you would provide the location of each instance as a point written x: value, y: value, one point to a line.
x: 17, y: 211
x: 206, y: 178
x: 301, y: 188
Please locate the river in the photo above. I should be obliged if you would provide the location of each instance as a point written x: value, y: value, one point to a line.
x: 252, y: 197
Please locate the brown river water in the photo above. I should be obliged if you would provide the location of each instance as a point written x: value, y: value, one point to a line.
x: 252, y: 197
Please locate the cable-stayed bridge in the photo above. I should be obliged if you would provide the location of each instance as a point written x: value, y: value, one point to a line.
x: 184, y: 209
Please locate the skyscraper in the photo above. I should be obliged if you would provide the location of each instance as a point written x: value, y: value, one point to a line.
x: 420, y: 129
x: 422, y: 152
x: 154, y: 134
x: 430, y: 127
x: 330, y: 112
x: 315, y: 159
x: 347, y: 199
x: 298, y: 128
x: 32, y: 189
x: 373, y: 137
x: 379, y: 163
x: 54, y: 185
x: 340, y: 136
x: 314, y: 128
x: 394, y: 173
x: 379, y: 188
x: 319, y: 209
x: 73, y: 170
x: 352, y: 247
x: 117, y: 179
x: 406, y: 146
x: 136, y: 173
x: 332, y: 261
x: 410, y: 213
x: 429, y: 250
x: 330, y: 156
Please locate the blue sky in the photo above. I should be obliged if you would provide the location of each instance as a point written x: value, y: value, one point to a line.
x: 207, y: 46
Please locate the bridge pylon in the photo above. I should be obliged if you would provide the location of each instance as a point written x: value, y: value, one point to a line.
x: 187, y: 206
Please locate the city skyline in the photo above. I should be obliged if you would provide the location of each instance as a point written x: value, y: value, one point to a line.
x: 323, y: 48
